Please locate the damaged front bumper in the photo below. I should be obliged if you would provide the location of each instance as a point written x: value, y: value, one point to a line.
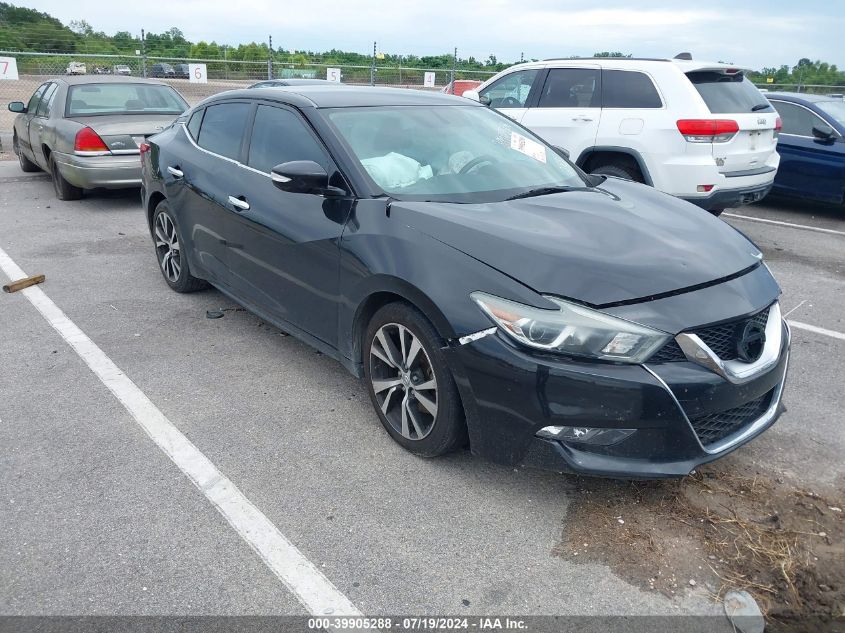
x: 682, y: 414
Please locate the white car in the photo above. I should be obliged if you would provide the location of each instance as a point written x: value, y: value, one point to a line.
x: 75, y: 68
x: 697, y: 130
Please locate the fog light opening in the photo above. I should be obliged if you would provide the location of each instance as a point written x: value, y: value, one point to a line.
x: 585, y: 435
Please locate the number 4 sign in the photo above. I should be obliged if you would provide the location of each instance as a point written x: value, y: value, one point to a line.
x: 8, y: 68
x: 197, y: 74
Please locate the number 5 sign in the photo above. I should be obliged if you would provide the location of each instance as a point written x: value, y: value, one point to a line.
x: 197, y: 74
x: 333, y: 74
x: 8, y: 68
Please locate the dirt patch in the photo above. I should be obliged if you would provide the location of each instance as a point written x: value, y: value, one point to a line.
x: 719, y: 529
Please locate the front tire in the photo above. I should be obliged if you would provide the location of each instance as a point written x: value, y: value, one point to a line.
x: 26, y: 164
x: 64, y: 190
x: 619, y: 170
x: 410, y: 384
x: 171, y: 260
x: 717, y: 212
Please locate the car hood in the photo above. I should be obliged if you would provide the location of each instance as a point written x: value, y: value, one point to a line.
x: 620, y: 242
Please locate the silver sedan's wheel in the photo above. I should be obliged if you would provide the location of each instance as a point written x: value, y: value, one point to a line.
x: 403, y: 381
x: 167, y: 247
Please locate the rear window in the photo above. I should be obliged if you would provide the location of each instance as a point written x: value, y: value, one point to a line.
x: 115, y: 98
x: 627, y: 89
x: 725, y: 94
x: 571, y: 88
x: 222, y: 128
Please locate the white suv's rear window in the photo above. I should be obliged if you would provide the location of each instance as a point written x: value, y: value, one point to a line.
x: 728, y: 94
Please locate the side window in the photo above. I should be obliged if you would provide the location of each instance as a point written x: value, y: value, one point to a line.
x: 222, y: 128
x: 35, y: 98
x: 512, y: 90
x: 628, y: 89
x: 571, y: 88
x: 194, y: 124
x: 279, y: 136
x: 46, y: 101
x: 796, y: 120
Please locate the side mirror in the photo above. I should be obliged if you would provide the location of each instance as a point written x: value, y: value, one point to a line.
x: 17, y: 106
x: 562, y: 151
x: 471, y: 94
x: 823, y: 132
x: 303, y: 176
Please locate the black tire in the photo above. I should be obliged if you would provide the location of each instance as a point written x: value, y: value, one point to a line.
x: 447, y: 429
x: 26, y: 164
x: 619, y: 170
x: 717, y: 212
x: 64, y: 190
x: 177, y: 275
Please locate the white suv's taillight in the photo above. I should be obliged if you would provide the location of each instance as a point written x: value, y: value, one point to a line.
x: 708, y: 130
x: 778, y: 127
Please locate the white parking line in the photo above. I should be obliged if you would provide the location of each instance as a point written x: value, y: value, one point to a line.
x: 299, y: 575
x: 780, y: 223
x: 816, y: 329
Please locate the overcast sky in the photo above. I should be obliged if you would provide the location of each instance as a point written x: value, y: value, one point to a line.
x: 750, y: 32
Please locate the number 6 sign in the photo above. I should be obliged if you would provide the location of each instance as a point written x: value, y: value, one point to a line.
x: 8, y: 68
x: 197, y: 74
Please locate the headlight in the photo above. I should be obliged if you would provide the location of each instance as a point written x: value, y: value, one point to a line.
x: 572, y: 329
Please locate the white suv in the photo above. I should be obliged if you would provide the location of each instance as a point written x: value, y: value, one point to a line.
x: 697, y: 130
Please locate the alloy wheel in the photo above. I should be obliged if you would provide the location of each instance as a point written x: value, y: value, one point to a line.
x: 403, y: 381
x: 167, y: 247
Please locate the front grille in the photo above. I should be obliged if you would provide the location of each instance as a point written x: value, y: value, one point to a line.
x: 714, y: 427
x: 722, y: 339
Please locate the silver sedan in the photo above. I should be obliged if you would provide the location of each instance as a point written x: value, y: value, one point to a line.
x: 86, y: 132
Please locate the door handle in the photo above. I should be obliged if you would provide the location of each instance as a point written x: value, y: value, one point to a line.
x: 239, y: 203
x: 581, y: 118
x: 176, y: 172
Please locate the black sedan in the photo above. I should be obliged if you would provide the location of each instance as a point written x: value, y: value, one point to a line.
x: 488, y: 292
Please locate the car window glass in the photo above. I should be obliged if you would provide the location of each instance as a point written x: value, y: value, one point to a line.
x: 512, y: 90
x: 627, y: 89
x: 571, y: 88
x: 119, y: 98
x: 279, y: 136
x: 726, y: 94
x: 194, y: 124
x: 46, y: 100
x: 834, y: 109
x: 796, y: 120
x: 222, y: 128
x: 35, y: 98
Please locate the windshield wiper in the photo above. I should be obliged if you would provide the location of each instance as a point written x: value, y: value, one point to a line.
x: 760, y: 106
x: 544, y: 191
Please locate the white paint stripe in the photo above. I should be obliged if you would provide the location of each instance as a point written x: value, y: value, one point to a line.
x: 816, y: 329
x: 299, y: 575
x: 789, y: 224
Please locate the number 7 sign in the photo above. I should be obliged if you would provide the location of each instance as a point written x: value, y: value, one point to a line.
x: 8, y: 68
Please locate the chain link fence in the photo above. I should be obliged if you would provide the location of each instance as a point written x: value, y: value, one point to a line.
x: 35, y: 68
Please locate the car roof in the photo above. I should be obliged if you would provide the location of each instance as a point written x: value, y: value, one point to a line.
x: 330, y: 95
x: 73, y: 80
x: 686, y: 65
x: 801, y: 96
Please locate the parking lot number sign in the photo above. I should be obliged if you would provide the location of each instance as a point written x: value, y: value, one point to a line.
x: 8, y: 68
x: 428, y: 80
x: 333, y: 74
x: 197, y: 73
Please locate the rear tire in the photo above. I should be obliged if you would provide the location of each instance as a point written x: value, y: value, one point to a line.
x: 64, y: 190
x: 172, y: 262
x: 717, y: 212
x: 26, y: 164
x: 410, y: 384
x: 619, y: 170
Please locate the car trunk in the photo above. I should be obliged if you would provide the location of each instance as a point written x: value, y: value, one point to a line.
x: 730, y: 96
x: 124, y: 133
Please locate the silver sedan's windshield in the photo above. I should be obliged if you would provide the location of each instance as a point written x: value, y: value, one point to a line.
x: 450, y: 153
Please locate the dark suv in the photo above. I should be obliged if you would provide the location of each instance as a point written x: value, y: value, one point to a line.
x: 163, y: 71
